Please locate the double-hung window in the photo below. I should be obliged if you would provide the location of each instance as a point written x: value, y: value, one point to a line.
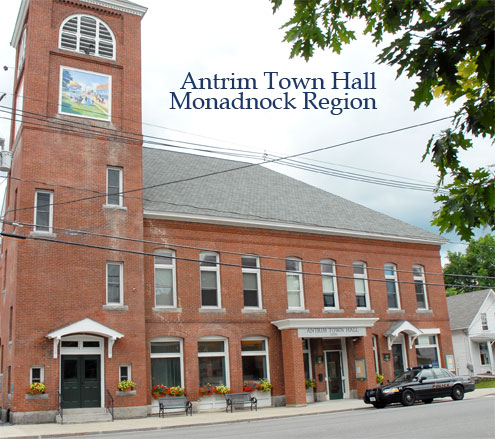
x: 115, y: 290
x: 484, y: 322
x: 392, y: 286
x: 210, y: 280
x: 484, y: 356
x: 165, y: 291
x: 213, y: 362
x: 251, y: 281
x: 419, y: 285
x: 37, y: 374
x: 295, y: 295
x: 43, y: 213
x: 427, y: 350
x: 125, y: 372
x: 167, y: 362
x: 330, y: 298
x: 361, y: 285
x: 114, y: 186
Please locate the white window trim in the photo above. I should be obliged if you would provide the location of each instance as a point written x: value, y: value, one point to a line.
x: 301, y: 287
x: 42, y: 373
x: 363, y: 276
x: 171, y: 253
x: 121, y: 185
x: 334, y: 282
x: 78, y: 36
x: 50, y: 218
x: 179, y: 355
x: 258, y: 280
x: 224, y: 354
x: 393, y: 278
x: 129, y: 371
x: 429, y: 345
x: 215, y: 269
x: 121, y: 289
x: 422, y: 279
x: 374, y: 339
x: 258, y: 353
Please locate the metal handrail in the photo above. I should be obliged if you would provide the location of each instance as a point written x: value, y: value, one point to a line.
x: 109, y: 405
x: 61, y: 407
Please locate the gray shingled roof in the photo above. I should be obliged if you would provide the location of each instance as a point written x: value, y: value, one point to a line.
x: 256, y: 193
x: 463, y: 308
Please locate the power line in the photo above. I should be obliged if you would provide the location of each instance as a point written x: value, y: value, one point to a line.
x: 249, y: 165
x: 140, y: 253
x: 204, y: 249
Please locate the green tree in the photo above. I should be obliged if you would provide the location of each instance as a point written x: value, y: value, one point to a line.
x: 448, y: 45
x: 479, y: 260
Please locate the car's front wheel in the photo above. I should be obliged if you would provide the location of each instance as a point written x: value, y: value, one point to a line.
x: 457, y: 393
x: 379, y: 405
x: 408, y: 397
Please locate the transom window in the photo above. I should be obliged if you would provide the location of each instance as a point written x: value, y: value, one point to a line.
x: 361, y: 285
x: 165, y: 292
x: 254, y: 352
x: 210, y: 280
x: 392, y: 287
x: 251, y: 281
x: 419, y: 285
x: 88, y: 35
x: 295, y: 296
x: 213, y: 362
x: 330, y: 299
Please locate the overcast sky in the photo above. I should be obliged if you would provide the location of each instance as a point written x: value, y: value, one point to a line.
x: 243, y: 38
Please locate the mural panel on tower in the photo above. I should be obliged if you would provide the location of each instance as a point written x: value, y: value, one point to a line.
x: 85, y: 94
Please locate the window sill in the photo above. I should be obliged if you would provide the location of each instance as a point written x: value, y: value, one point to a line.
x: 213, y: 310
x: 332, y: 311
x: 114, y: 207
x: 424, y: 311
x: 364, y: 311
x: 253, y: 311
x: 127, y: 393
x: 38, y: 234
x: 297, y: 311
x: 395, y: 311
x: 115, y: 307
x: 164, y: 309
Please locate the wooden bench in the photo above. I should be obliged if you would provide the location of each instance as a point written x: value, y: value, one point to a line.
x: 175, y: 402
x: 240, y: 398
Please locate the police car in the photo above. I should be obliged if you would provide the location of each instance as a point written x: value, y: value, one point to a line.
x: 421, y: 383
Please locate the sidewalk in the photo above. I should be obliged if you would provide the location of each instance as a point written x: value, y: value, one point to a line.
x: 175, y: 421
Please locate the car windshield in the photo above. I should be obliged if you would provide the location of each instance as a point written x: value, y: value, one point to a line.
x: 407, y: 376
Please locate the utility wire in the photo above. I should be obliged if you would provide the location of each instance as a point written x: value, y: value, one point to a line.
x: 226, y: 264
x: 203, y: 249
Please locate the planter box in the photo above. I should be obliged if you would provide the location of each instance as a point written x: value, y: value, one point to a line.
x: 310, y: 396
x: 264, y: 398
x: 212, y: 402
x: 37, y: 396
x: 126, y: 393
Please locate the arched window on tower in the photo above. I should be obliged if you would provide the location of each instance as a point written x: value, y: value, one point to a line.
x: 88, y: 35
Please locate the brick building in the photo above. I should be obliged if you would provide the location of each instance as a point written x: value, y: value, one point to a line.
x: 240, y: 275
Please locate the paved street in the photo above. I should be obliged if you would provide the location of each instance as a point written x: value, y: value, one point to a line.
x: 473, y: 418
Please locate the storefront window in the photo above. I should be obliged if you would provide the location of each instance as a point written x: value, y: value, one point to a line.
x: 254, y: 359
x: 167, y: 363
x: 213, y: 362
x: 307, y: 359
x: 427, y: 350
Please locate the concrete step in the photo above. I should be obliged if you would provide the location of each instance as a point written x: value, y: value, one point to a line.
x: 84, y: 416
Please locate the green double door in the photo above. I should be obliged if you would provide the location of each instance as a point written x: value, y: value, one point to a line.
x: 81, y: 381
x: 334, y: 374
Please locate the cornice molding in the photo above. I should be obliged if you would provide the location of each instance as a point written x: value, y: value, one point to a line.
x: 325, y: 323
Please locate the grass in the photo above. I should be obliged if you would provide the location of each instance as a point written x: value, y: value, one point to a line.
x: 485, y: 384
x: 94, y: 111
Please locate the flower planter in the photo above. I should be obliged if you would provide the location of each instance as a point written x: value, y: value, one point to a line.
x: 36, y: 396
x: 212, y: 402
x: 126, y: 393
x: 264, y: 398
x: 310, y: 395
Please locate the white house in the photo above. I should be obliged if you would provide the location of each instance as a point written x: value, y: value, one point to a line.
x: 472, y: 321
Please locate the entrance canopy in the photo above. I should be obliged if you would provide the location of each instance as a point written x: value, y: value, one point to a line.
x: 394, y: 331
x: 85, y: 326
x: 327, y: 328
